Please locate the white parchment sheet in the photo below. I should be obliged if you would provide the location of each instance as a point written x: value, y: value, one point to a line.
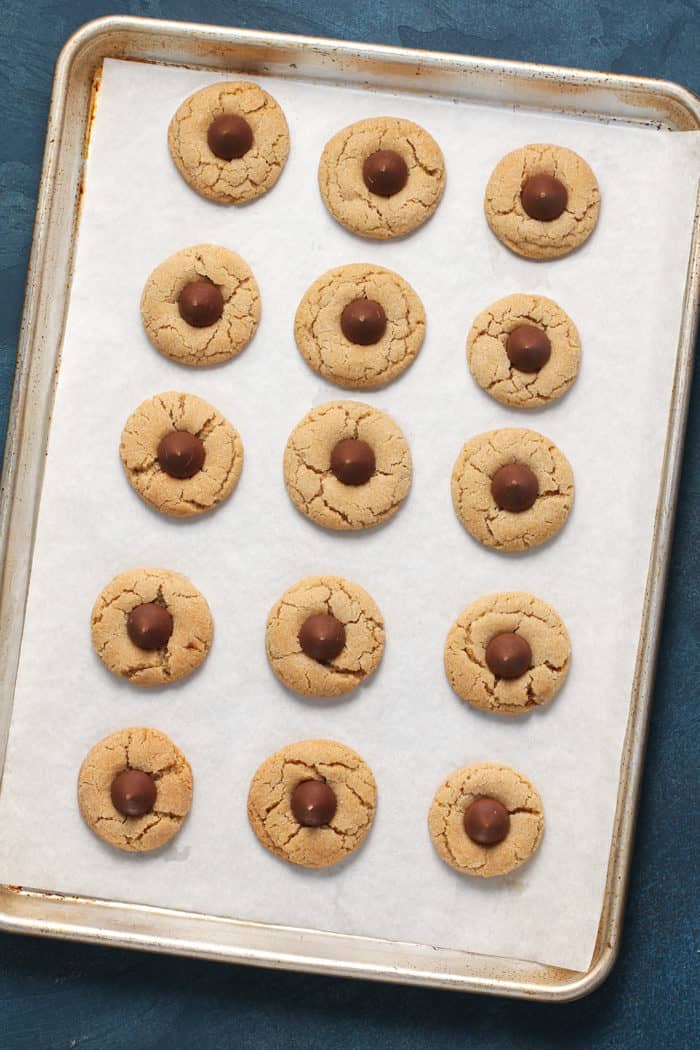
x: 623, y: 291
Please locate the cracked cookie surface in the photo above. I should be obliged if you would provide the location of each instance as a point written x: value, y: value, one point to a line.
x: 513, y: 612
x: 159, y: 416
x: 534, y: 238
x: 314, y: 489
x: 172, y: 335
x: 489, y: 362
x: 269, y: 802
x: 241, y: 179
x: 188, y: 645
x: 486, y: 780
x: 364, y: 636
x: 478, y: 511
x: 152, y: 752
x: 327, y: 350
x: 349, y: 200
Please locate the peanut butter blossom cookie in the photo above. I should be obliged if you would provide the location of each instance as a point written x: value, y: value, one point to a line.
x: 507, y: 653
x: 312, y: 803
x: 151, y: 626
x: 347, y: 466
x: 180, y: 454
x: 382, y: 177
x: 324, y: 636
x: 229, y: 141
x: 486, y: 820
x: 542, y: 201
x: 524, y: 351
x: 135, y: 789
x: 512, y: 489
x: 360, y: 325
x: 201, y: 306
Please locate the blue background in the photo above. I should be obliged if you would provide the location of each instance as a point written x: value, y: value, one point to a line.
x: 56, y: 995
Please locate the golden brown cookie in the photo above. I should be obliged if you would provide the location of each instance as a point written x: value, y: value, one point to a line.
x: 180, y: 454
x: 507, y: 189
x: 144, y: 809
x: 319, y: 825
x: 324, y: 636
x: 524, y: 350
x: 151, y: 626
x: 500, y: 837
x: 224, y: 325
x: 347, y: 466
x: 399, y: 159
x: 512, y: 489
x: 360, y: 325
x: 507, y: 653
x: 207, y: 149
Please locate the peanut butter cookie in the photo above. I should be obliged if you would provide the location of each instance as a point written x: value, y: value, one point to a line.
x: 201, y: 306
x: 135, y: 789
x: 512, y: 489
x: 382, y: 177
x: 229, y: 141
x: 312, y: 803
x: 151, y: 626
x: 486, y: 820
x: 347, y: 466
x: 360, y: 325
x: 542, y: 201
x: 324, y: 637
x: 507, y: 653
x: 524, y: 351
x: 180, y: 455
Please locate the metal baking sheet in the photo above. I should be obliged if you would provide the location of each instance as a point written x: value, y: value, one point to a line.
x: 469, y: 968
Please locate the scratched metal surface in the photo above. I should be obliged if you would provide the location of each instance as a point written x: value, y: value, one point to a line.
x: 56, y: 995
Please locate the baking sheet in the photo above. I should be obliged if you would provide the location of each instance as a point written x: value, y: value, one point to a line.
x: 624, y: 292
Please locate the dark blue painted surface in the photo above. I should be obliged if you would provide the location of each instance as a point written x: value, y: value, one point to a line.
x: 58, y: 996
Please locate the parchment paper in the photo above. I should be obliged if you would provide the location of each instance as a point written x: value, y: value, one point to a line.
x: 624, y: 292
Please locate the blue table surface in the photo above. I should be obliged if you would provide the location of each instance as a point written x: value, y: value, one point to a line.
x: 60, y: 995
